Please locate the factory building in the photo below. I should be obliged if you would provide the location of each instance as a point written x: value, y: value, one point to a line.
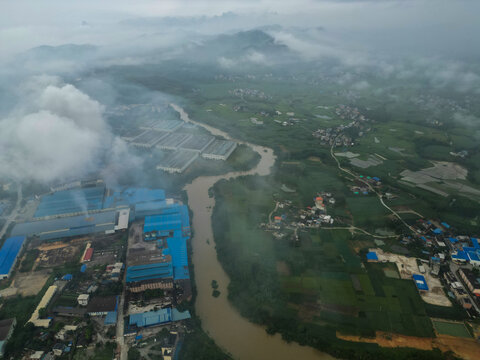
x: 56, y: 228
x: 71, y: 202
x: 47, y: 297
x: 161, y: 260
x: 471, y: 280
x: 159, y: 317
x: 9, y: 254
x: 219, y: 150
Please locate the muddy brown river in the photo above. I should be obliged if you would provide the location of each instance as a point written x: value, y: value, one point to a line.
x: 233, y: 333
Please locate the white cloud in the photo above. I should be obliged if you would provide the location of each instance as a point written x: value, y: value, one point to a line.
x: 60, y: 134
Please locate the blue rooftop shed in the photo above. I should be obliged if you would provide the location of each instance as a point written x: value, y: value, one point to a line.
x: 445, y: 225
x: 453, y: 240
x: 420, y: 282
x: 475, y: 243
x: 9, y: 253
x: 83, y: 268
x: 372, y: 256
x: 437, y: 231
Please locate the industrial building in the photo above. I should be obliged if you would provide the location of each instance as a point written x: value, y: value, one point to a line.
x: 178, y: 161
x: 149, y: 139
x: 161, y: 258
x: 159, y: 317
x: 102, y: 305
x: 162, y: 125
x: 197, y: 143
x: 101, y: 222
x: 219, y: 150
x: 173, y: 141
x: 471, y: 280
x: 71, y: 202
x: 9, y: 254
x: 47, y: 297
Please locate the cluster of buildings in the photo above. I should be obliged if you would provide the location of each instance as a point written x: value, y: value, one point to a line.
x: 310, y: 217
x: 158, y: 258
x: 177, y: 150
x: 90, y: 216
x: 342, y: 135
x: 314, y: 216
x: 460, y: 254
x: 360, y: 186
x: 250, y: 93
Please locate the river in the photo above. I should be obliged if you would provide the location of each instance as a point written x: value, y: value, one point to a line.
x: 233, y: 333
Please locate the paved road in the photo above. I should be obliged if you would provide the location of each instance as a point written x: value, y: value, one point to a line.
x: 120, y: 321
x: 14, y: 212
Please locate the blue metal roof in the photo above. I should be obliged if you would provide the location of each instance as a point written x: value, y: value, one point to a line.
x: 475, y: 243
x: 149, y: 272
x: 151, y: 318
x: 71, y: 201
x: 460, y: 255
x: 472, y: 255
x: 168, y: 222
x: 372, y: 255
x: 444, y: 224
x: 67, y: 226
x: 437, y: 231
x: 177, y: 315
x: 134, y: 196
x: 111, y: 318
x: 9, y: 252
x: 453, y: 240
x: 161, y: 316
x: 420, y: 282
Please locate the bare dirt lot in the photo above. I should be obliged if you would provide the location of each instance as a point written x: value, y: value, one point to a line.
x: 465, y: 348
x: 30, y: 283
x: 407, y: 266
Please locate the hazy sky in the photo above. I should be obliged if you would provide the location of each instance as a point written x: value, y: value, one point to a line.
x: 390, y: 25
x: 437, y: 38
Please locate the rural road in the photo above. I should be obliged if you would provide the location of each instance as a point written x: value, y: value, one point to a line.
x: 380, y: 197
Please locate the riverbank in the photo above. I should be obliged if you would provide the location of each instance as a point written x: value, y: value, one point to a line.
x: 239, y: 337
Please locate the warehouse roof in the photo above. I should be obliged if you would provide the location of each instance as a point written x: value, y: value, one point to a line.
x: 420, y: 282
x: 111, y: 318
x: 101, y: 304
x: 158, y: 270
x: 71, y: 201
x: 161, y: 316
x: 133, y: 196
x: 68, y: 226
x: 9, y: 252
x: 475, y: 243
